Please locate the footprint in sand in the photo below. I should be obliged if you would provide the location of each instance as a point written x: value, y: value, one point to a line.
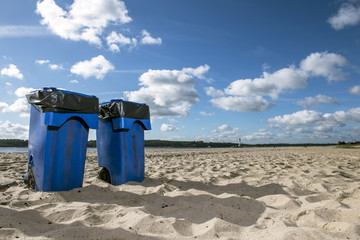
x: 317, y: 198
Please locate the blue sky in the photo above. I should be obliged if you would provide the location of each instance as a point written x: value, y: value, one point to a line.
x: 210, y: 70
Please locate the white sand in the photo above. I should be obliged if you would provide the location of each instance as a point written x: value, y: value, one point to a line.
x: 262, y: 193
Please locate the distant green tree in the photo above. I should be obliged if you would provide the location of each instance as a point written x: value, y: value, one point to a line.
x: 177, y: 144
x: 92, y: 144
x: 13, y: 143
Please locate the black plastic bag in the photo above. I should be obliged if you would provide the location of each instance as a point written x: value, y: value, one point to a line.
x: 125, y: 109
x: 54, y: 100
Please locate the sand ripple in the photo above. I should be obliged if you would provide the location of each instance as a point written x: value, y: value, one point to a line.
x: 282, y: 193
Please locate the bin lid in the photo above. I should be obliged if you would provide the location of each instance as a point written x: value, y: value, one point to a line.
x: 62, y: 101
x: 121, y: 108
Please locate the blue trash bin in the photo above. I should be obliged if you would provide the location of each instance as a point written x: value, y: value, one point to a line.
x: 58, y: 136
x: 120, y: 141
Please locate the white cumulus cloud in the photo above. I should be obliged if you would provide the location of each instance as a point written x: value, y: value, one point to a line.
x: 225, y: 132
x: 225, y: 127
x: 309, y: 124
x: 56, y: 67
x: 355, y: 90
x: 213, y: 92
x: 22, y: 91
x: 117, y: 40
x: 326, y: 65
x: 271, y: 84
x: 301, y: 118
x: 351, y: 115
x: 247, y: 95
x: 42, y: 61
x: 242, y: 104
x: 148, y: 39
x: 348, y: 15
x: 13, y: 130
x: 12, y: 71
x: 307, y: 118
x: 74, y: 81
x: 20, y: 105
x: 168, y: 127
x: 260, y: 135
x: 84, y: 20
x: 167, y: 92
x: 207, y: 114
x: 309, y: 102
x: 197, y: 72
x: 96, y: 67
x: 50, y: 65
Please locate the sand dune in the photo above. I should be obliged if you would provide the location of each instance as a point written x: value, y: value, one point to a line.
x: 262, y: 193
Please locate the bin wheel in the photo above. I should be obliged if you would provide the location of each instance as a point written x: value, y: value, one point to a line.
x: 104, y: 175
x: 31, y: 180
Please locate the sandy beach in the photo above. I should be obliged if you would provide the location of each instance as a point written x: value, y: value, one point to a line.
x: 243, y: 193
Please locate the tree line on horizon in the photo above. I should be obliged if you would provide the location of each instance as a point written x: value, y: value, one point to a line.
x: 177, y: 144
x: 13, y: 143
